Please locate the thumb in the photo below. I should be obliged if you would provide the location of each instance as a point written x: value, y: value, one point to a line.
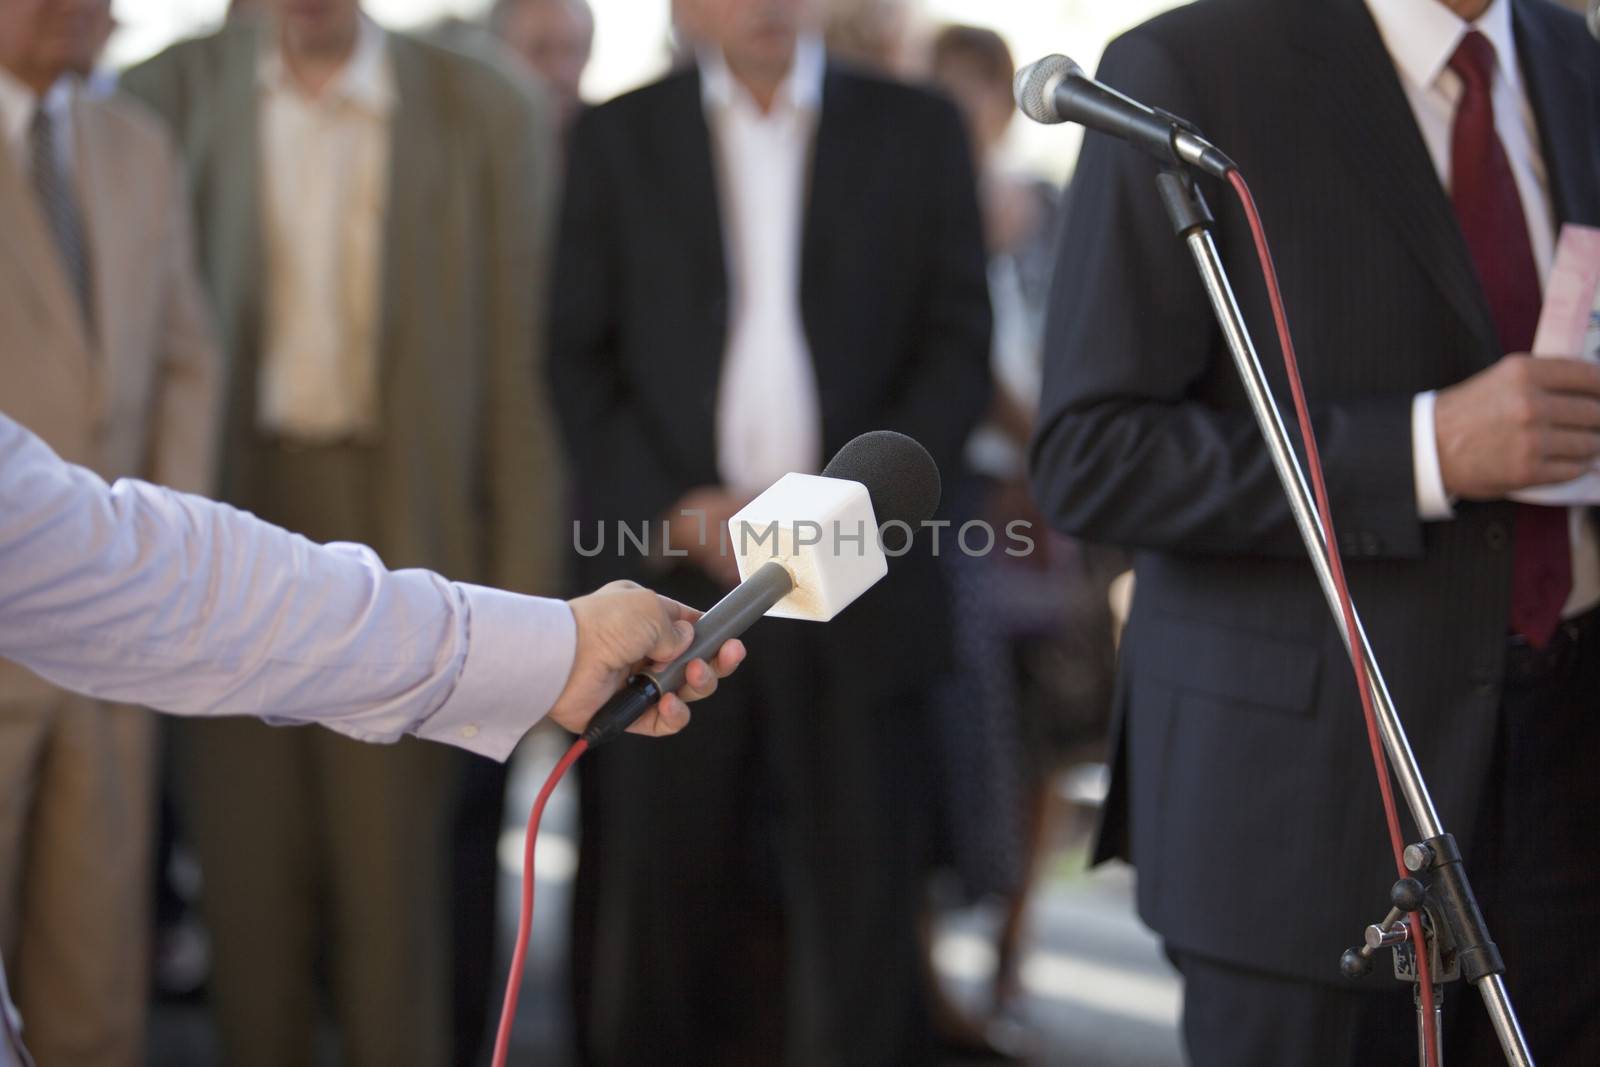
x: 672, y: 637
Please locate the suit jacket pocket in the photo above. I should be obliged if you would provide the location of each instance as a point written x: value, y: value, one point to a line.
x: 1240, y: 668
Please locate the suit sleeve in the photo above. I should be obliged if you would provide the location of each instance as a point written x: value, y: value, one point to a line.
x: 615, y: 460
x: 525, y: 470
x: 188, y: 392
x: 1126, y: 450
x: 947, y: 395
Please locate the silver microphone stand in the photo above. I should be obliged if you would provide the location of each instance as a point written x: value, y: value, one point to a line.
x: 1456, y: 938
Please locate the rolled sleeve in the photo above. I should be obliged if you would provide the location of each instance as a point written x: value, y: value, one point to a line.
x: 519, y: 654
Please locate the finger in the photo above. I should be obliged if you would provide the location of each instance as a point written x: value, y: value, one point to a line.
x: 699, y: 681
x: 1574, y: 445
x: 1562, y: 375
x: 673, y: 638
x: 676, y: 610
x: 1555, y: 472
x: 665, y: 719
x: 1571, y: 412
x: 729, y: 656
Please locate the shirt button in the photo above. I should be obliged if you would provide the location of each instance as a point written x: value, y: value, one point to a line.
x: 469, y: 731
x: 1496, y: 535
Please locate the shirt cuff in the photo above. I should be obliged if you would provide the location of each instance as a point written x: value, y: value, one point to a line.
x: 519, y: 654
x: 1433, y: 503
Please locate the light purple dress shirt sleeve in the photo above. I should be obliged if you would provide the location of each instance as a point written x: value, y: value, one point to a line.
x: 142, y: 595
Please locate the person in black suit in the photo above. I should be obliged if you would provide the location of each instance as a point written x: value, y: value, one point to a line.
x: 763, y: 256
x: 1411, y: 168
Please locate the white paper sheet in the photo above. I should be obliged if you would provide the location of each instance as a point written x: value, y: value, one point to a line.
x: 1569, y: 325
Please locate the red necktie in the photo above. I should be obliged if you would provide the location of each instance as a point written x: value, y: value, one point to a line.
x: 1490, y: 211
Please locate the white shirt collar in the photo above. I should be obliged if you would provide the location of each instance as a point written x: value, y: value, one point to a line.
x: 18, y: 104
x: 1422, y: 35
x: 801, y: 90
x: 367, y: 80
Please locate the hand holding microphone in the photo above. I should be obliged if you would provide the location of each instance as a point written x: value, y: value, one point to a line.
x: 806, y: 548
x: 622, y: 625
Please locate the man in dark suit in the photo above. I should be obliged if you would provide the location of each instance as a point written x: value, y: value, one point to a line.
x: 764, y: 255
x: 1412, y: 160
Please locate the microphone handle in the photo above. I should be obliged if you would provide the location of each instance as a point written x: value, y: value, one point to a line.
x: 729, y: 617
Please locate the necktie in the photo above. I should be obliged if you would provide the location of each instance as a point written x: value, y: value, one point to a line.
x: 1490, y: 211
x: 60, y: 206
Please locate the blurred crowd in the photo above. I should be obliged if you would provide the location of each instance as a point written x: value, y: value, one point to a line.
x: 414, y: 290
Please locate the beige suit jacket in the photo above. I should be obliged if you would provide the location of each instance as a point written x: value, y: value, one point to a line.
x: 468, y: 474
x: 138, y: 395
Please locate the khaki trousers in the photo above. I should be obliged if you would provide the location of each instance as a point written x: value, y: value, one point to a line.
x: 76, y: 809
x: 325, y: 861
x: 322, y: 858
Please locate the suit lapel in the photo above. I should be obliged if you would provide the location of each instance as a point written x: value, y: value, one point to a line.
x: 228, y: 190
x: 113, y: 235
x: 34, y: 256
x: 836, y: 162
x: 839, y: 175
x: 417, y: 150
x: 687, y: 148
x: 1355, y: 93
x: 1562, y: 92
x: 683, y: 151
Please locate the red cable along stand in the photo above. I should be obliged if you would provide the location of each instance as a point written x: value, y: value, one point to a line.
x: 519, y: 957
x: 1436, y: 930
x: 1428, y: 1020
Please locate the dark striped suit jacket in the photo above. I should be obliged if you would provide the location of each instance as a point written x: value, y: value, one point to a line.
x: 1244, y: 785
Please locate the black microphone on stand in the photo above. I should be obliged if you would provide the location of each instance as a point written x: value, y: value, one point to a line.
x: 1055, y: 90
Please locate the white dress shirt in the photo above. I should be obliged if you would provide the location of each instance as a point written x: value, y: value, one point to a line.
x: 1421, y: 36
x: 139, y: 594
x: 768, y: 417
x: 325, y: 182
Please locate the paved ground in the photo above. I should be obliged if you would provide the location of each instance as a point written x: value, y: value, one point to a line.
x: 1097, y: 991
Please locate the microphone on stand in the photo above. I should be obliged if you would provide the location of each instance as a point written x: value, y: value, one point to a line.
x: 807, y: 548
x: 1055, y: 90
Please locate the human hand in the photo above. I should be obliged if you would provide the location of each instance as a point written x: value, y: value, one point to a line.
x: 622, y: 629
x: 697, y: 526
x: 1522, y: 422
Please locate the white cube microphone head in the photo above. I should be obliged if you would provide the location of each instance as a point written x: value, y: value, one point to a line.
x: 825, y: 529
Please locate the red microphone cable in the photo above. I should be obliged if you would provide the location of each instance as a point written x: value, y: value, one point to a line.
x: 1269, y: 272
x: 508, y: 1010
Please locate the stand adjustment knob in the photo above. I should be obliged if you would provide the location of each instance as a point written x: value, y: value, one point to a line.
x: 1417, y: 858
x: 1355, y: 963
x: 1407, y: 895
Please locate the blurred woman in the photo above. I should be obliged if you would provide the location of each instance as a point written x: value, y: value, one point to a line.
x: 1034, y: 657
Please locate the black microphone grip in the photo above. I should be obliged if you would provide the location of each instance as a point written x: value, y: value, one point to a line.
x: 728, y: 618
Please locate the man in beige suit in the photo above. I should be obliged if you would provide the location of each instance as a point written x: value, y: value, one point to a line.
x: 107, y: 352
x: 372, y: 213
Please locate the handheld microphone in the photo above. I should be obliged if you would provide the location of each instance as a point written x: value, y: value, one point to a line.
x: 790, y: 543
x: 1055, y: 89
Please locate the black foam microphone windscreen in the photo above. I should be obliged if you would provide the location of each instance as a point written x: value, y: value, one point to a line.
x: 900, y: 476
